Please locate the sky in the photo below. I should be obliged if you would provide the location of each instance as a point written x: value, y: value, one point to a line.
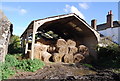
x: 22, y: 13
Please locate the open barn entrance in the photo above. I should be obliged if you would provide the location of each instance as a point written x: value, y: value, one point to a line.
x: 66, y: 39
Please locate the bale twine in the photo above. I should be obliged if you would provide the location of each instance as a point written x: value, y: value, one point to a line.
x: 71, y: 43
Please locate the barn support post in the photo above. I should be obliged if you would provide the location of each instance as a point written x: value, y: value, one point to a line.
x: 33, y: 41
x: 23, y: 43
x: 26, y: 48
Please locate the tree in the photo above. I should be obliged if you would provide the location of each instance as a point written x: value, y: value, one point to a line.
x: 14, y: 46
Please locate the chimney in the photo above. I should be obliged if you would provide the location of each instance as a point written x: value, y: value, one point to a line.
x: 110, y: 19
x: 93, y: 24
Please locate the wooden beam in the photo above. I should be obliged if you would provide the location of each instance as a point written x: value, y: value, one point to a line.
x: 26, y: 47
x: 33, y: 40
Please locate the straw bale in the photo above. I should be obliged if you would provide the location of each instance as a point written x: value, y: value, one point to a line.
x: 72, y: 50
x: 78, y: 57
x: 71, y: 43
x: 61, y: 43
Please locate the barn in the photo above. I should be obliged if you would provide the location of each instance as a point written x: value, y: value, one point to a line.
x: 60, y: 38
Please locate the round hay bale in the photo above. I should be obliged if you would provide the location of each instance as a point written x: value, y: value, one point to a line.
x: 78, y: 58
x: 37, y: 51
x: 71, y: 43
x: 72, y: 50
x: 57, y: 57
x: 68, y: 58
x: 61, y: 43
x: 39, y: 47
x: 61, y: 56
x: 83, y: 50
x: 46, y: 56
x: 63, y: 50
x: 51, y: 49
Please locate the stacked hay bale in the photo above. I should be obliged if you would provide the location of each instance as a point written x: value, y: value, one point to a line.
x: 83, y: 50
x: 61, y: 49
x: 72, y: 49
x: 41, y: 52
x: 66, y: 51
x: 82, y: 54
x: 78, y: 57
x: 69, y: 53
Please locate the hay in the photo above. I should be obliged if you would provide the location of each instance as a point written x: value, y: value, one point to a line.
x: 68, y: 58
x: 72, y: 50
x: 61, y: 43
x: 83, y: 50
x: 71, y: 43
x: 63, y: 50
x: 40, y: 47
x: 61, y: 56
x: 51, y: 49
x: 40, y: 50
x: 37, y: 52
x: 57, y: 57
x: 46, y: 56
x: 78, y: 58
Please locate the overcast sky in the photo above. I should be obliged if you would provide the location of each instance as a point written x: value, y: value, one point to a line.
x: 22, y: 13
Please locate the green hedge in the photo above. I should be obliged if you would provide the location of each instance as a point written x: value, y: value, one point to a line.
x: 109, y: 56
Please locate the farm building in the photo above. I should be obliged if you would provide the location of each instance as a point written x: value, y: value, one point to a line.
x: 61, y: 38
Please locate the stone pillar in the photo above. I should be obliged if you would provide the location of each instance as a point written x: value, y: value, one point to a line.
x: 5, y: 33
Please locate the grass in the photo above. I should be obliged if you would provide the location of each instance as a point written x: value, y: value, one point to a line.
x: 11, y: 63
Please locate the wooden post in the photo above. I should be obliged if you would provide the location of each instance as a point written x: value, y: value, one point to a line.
x: 26, y: 48
x: 33, y: 40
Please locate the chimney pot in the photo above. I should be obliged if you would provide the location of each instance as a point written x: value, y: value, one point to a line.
x: 93, y: 24
x: 110, y: 11
x: 109, y: 22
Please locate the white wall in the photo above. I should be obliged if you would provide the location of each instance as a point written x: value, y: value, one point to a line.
x: 113, y: 33
x: 119, y: 10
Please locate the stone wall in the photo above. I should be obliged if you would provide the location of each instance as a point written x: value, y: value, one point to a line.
x: 5, y: 33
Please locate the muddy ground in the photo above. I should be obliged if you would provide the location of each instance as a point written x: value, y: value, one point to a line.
x: 68, y: 72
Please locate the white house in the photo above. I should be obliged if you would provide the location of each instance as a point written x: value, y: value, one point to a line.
x: 119, y: 10
x: 110, y: 29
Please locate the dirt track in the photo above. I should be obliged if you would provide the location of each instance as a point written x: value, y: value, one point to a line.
x: 67, y: 72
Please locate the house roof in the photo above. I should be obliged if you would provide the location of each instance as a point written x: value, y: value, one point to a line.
x: 104, y: 25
